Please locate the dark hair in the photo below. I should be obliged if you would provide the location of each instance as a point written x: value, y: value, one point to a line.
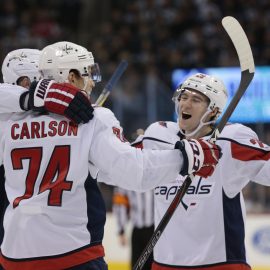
x: 20, y: 79
x: 76, y: 73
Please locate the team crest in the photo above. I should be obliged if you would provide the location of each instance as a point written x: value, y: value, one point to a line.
x: 162, y: 123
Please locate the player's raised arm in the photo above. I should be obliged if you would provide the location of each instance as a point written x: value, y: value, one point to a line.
x: 121, y: 159
x: 60, y: 98
x: 20, y: 71
x: 10, y: 98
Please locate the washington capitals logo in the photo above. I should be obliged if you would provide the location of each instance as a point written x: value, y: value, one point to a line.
x: 19, y: 57
x: 162, y: 123
x: 23, y: 55
x: 67, y: 49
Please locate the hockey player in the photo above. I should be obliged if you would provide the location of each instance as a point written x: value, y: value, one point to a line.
x: 59, y: 98
x: 55, y: 219
x: 20, y: 67
x: 19, y: 70
x: 207, y: 230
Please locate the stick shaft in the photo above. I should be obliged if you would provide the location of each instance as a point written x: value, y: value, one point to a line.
x: 112, y: 82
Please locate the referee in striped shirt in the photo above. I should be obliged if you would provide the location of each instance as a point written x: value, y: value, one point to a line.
x: 139, y: 209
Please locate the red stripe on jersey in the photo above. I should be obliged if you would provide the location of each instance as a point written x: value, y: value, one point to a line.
x: 55, y: 263
x: 233, y: 266
x: 246, y: 153
x: 138, y: 145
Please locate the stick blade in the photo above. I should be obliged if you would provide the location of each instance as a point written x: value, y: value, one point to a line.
x: 240, y: 42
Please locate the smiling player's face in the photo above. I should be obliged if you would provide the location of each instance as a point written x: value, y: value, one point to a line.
x: 192, y: 107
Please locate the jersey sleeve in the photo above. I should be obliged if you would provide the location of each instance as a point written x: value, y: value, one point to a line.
x: 245, y: 158
x: 128, y: 167
x: 10, y: 98
x: 108, y: 120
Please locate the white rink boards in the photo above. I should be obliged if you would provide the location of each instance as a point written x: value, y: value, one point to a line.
x: 257, y: 243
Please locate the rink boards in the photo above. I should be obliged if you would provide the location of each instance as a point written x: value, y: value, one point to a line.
x: 257, y: 243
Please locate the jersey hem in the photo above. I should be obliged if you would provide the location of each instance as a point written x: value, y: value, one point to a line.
x: 57, y: 262
x: 218, y: 266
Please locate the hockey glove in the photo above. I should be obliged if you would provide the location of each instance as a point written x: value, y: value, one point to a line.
x: 60, y: 98
x: 200, y: 157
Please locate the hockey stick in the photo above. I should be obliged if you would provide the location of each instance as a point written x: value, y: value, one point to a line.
x: 111, y: 83
x: 242, y: 46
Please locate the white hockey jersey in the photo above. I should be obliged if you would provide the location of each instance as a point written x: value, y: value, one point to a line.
x: 207, y: 229
x: 56, y: 220
x: 10, y: 98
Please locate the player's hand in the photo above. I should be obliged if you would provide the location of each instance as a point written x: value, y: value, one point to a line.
x: 200, y: 157
x: 60, y: 98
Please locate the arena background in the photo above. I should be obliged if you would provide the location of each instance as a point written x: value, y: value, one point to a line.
x: 156, y: 37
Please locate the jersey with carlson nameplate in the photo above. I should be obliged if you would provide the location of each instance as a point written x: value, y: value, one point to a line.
x: 207, y: 229
x: 56, y: 220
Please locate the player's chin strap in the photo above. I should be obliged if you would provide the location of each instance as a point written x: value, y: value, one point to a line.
x: 85, y: 81
x: 214, y: 135
x: 213, y: 138
x: 86, y: 84
x: 201, y: 124
x: 85, y: 90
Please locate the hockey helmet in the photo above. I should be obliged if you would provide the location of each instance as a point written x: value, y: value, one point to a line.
x: 210, y: 86
x: 21, y: 63
x: 58, y: 59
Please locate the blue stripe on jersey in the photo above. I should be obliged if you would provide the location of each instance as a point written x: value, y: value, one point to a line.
x: 234, y: 229
x: 96, y: 210
x: 4, y: 202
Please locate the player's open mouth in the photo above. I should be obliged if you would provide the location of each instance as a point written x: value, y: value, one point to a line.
x: 185, y: 115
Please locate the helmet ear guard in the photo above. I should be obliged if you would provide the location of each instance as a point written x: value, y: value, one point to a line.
x: 58, y: 59
x: 21, y: 63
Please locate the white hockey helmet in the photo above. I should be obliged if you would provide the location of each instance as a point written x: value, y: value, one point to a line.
x: 210, y: 86
x: 21, y: 63
x: 58, y: 59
